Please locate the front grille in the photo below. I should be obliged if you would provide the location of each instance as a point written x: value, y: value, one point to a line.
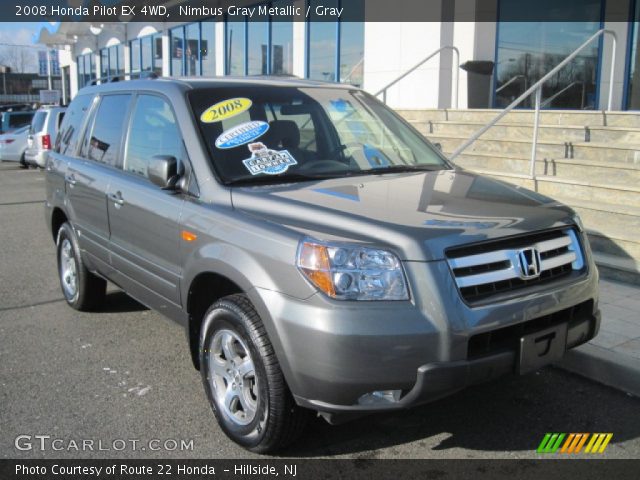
x: 497, y: 268
x: 507, y: 338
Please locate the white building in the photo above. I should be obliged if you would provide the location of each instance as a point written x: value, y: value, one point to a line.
x: 373, y: 54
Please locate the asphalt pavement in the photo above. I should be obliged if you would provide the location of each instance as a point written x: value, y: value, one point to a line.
x: 123, y: 376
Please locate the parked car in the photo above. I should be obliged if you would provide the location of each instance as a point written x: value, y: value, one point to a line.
x: 10, y: 121
x: 42, y: 133
x: 13, y: 146
x: 320, y: 253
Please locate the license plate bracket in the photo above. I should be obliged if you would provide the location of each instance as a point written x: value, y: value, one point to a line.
x: 541, y: 348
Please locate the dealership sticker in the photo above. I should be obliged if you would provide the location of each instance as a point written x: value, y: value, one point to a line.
x: 265, y: 160
x: 241, y: 134
x: 225, y: 109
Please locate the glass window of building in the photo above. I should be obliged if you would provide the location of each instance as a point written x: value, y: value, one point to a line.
x: 323, y: 45
x: 86, y: 73
x: 176, y: 42
x: 336, y: 49
x: 136, y: 65
x: 104, y: 64
x: 258, y: 45
x: 111, y: 62
x: 282, y: 43
x: 156, y: 41
x: 633, y: 69
x: 352, y: 53
x: 192, y: 53
x: 208, y: 48
x: 235, y: 47
x: 528, y: 50
x: 146, y: 53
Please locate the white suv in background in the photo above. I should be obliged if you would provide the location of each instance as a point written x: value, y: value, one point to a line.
x: 42, y: 134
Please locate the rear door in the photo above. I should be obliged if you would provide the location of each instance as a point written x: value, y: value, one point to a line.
x: 144, y: 220
x: 89, y: 176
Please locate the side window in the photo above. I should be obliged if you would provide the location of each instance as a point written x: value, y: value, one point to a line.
x: 70, y: 128
x: 153, y: 131
x: 103, y: 143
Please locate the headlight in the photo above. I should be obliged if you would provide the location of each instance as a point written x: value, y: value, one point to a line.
x: 352, y: 272
x: 578, y: 221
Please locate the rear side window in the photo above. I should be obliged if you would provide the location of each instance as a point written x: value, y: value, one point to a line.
x: 103, y: 142
x: 67, y: 140
x: 60, y: 118
x: 17, y: 120
x: 154, y: 131
x: 39, y: 119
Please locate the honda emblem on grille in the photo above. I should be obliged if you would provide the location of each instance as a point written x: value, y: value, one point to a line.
x: 529, y: 259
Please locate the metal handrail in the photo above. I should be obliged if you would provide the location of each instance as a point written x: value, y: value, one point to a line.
x: 557, y: 94
x: 422, y: 62
x: 537, y: 88
x: 509, y: 82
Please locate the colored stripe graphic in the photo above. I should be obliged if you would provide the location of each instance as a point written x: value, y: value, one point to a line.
x: 550, y: 443
x: 574, y: 442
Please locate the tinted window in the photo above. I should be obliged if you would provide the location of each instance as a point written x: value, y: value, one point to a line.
x: 103, y: 143
x: 37, y: 124
x: 70, y: 127
x: 153, y: 131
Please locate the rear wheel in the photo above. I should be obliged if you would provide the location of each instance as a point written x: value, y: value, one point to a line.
x: 82, y: 289
x: 243, y: 380
x: 23, y: 162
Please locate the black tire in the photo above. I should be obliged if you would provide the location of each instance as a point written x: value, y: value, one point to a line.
x: 278, y: 420
x: 90, y: 290
x: 23, y: 162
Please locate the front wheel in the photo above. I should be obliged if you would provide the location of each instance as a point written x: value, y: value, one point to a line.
x: 82, y: 289
x: 243, y: 380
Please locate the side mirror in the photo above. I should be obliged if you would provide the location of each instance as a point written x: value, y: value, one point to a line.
x: 163, y: 171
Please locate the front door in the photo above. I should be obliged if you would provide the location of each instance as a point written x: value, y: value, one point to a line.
x: 144, y: 219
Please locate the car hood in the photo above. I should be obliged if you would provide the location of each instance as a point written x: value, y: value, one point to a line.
x: 418, y: 215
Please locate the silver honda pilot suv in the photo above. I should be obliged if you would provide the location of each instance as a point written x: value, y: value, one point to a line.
x: 320, y: 253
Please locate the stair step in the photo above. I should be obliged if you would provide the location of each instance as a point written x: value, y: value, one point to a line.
x: 580, y: 169
x: 524, y: 131
x: 556, y: 117
x: 617, y: 152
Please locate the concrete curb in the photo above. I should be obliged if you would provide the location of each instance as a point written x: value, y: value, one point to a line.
x: 605, y: 366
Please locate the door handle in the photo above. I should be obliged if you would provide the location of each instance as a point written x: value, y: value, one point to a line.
x: 117, y: 198
x: 71, y: 179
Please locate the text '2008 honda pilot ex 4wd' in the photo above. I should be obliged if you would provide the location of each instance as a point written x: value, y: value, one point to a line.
x: 321, y: 254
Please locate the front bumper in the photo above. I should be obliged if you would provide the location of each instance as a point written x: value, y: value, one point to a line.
x: 332, y: 352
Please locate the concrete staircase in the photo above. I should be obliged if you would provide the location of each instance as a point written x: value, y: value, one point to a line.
x: 588, y: 160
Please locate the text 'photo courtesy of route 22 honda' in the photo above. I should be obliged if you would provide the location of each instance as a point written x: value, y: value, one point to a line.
x: 320, y: 253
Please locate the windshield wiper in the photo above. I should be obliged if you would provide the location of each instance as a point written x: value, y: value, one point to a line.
x: 277, y: 179
x: 402, y: 169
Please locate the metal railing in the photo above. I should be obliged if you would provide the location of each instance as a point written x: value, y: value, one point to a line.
x: 509, y: 82
x: 456, y: 74
x: 565, y: 89
x: 537, y: 89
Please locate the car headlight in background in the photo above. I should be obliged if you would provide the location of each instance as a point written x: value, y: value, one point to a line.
x: 351, y: 271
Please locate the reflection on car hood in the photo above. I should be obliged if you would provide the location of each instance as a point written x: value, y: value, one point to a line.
x: 418, y: 215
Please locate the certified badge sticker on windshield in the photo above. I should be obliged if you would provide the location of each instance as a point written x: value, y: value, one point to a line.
x: 225, y: 109
x: 265, y: 160
x: 241, y: 134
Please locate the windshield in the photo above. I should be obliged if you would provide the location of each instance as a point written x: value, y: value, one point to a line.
x: 271, y: 134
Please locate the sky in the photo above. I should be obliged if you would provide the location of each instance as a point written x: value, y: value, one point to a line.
x: 22, y: 33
